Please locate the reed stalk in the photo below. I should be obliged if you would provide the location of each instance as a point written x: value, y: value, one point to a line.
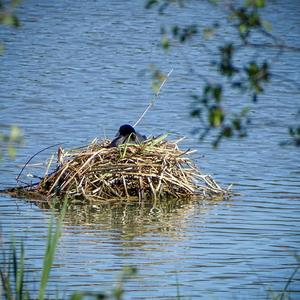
x: 13, y: 269
x: 153, y: 170
x: 54, y: 233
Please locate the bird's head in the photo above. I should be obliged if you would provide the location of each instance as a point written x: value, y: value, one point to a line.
x: 126, y: 129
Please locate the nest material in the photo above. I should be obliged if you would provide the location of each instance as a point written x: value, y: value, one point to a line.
x: 153, y: 170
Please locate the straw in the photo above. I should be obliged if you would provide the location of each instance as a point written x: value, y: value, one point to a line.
x: 155, y: 169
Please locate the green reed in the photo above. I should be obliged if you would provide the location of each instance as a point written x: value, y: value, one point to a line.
x: 13, y: 272
x: 12, y: 268
x: 54, y: 233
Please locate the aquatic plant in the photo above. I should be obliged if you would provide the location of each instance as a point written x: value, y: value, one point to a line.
x: 248, y: 29
x: 117, y: 291
x: 13, y: 270
x: 284, y: 294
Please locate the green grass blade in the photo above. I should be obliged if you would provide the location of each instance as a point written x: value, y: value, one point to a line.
x: 6, y: 285
x: 15, y: 266
x: 18, y: 270
x: 284, y: 291
x: 158, y: 140
x: 54, y: 233
x: 20, y: 275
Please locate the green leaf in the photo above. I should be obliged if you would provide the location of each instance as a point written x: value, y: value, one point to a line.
x: 227, y: 131
x: 11, y: 150
x: 9, y: 19
x: 77, y: 296
x: 158, y: 140
x: 216, y: 116
x: 54, y: 233
x: 165, y: 42
x: 255, y: 3
x: 237, y: 124
x: 15, y: 133
x: 243, y: 28
x: 217, y: 93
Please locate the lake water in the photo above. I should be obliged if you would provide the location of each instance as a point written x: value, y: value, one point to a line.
x: 76, y: 70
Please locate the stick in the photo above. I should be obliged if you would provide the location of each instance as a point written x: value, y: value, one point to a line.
x: 153, y: 100
x: 17, y: 179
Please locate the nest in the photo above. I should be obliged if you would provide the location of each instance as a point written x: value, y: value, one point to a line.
x: 156, y: 169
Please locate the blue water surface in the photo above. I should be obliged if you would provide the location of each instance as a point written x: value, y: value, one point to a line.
x: 77, y: 70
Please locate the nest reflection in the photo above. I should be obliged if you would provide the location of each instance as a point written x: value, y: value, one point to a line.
x: 132, y: 219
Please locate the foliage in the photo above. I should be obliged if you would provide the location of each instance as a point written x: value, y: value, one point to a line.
x: 8, y: 16
x: 54, y: 233
x: 12, y: 275
x: 249, y: 78
x: 295, y: 135
x: 9, y: 138
x: 284, y: 294
x: 13, y: 271
x: 294, y: 132
x: 116, y: 293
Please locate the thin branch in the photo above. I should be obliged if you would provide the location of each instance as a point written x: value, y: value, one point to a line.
x: 152, y: 102
x: 276, y: 46
x: 30, y: 159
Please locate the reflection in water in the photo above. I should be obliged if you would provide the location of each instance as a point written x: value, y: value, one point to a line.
x: 167, y: 217
x: 130, y: 231
x: 133, y: 219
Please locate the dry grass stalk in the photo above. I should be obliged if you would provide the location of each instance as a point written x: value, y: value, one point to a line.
x: 153, y: 170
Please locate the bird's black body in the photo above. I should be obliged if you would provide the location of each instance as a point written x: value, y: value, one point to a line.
x: 127, y: 134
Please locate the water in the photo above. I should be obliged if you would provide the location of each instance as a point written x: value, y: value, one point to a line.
x: 75, y: 71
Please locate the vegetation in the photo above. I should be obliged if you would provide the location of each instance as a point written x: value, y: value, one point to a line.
x: 7, y: 13
x: 116, y: 293
x: 10, y: 135
x: 13, y: 273
x: 13, y: 270
x: 284, y: 294
x: 9, y: 138
x: 232, y: 71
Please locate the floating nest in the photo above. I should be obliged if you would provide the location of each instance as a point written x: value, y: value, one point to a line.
x: 155, y: 169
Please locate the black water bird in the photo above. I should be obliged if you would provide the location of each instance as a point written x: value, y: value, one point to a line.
x: 127, y: 134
